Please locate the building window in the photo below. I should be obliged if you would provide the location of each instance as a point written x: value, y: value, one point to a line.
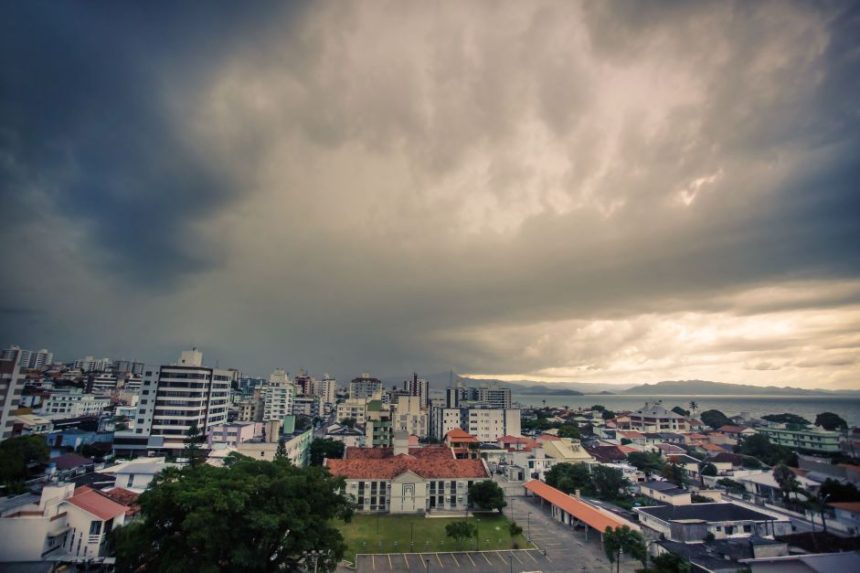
x: 95, y: 527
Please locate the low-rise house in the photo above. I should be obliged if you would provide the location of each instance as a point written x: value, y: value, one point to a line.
x: 656, y: 418
x: 349, y: 436
x: 816, y: 563
x: 607, y: 454
x: 691, y: 464
x: 846, y: 517
x: 695, y: 439
x: 765, y: 488
x: 690, y: 523
x: 665, y: 492
x: 297, y: 447
x: 567, y: 450
x: 136, y: 475
x: 724, y: 556
x: 234, y: 433
x: 70, y: 465
x: 670, y: 449
x: 63, y: 525
x: 30, y: 424
x: 820, y: 469
x: 726, y: 463
x: 737, y: 433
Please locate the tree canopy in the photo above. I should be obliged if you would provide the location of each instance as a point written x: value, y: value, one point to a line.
x: 786, y: 418
x: 681, y: 412
x: 646, y: 462
x: 830, y: 421
x: 321, y: 449
x: 569, y: 431
x: 487, y: 495
x: 715, y: 419
x: 460, y: 530
x: 607, y: 482
x: 569, y: 477
x: 16, y: 457
x: 675, y: 473
x: 788, y: 482
x: 760, y: 447
x: 250, y: 516
x: 623, y: 540
x: 834, y: 490
x: 669, y: 563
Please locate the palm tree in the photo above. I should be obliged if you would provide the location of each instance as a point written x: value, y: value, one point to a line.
x: 693, y: 407
x: 787, y: 481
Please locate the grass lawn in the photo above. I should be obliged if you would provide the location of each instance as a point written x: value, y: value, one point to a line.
x: 396, y: 533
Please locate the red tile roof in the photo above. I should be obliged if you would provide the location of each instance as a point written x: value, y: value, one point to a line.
x: 459, y: 435
x: 581, y: 510
x: 852, y: 506
x: 432, y: 466
x: 357, y: 453
x: 96, y: 503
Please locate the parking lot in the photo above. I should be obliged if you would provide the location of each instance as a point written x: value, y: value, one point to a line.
x: 501, y: 561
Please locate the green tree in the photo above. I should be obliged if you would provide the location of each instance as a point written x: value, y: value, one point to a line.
x: 646, y: 462
x: 709, y: 469
x: 607, y: 482
x: 786, y: 418
x: 487, y: 495
x: 715, y: 419
x: 569, y: 431
x: 760, y: 447
x: 193, y: 451
x: 830, y: 421
x: 681, y: 412
x: 321, y: 449
x: 252, y: 516
x: 669, y: 563
x: 461, y: 530
x: 17, y: 455
x: 788, y: 482
x: 349, y: 422
x: 570, y: 477
x: 732, y: 485
x: 607, y: 415
x: 833, y: 490
x: 281, y: 452
x: 623, y: 541
x: 675, y: 473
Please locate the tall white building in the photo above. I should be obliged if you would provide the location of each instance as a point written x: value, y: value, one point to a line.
x: 486, y: 424
x: 326, y: 389
x: 418, y: 387
x: 28, y: 358
x: 411, y: 416
x: 10, y: 390
x: 173, y: 397
x: 278, y: 396
x: 365, y: 386
x: 92, y: 364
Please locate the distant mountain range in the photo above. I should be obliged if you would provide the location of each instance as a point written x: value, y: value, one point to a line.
x: 705, y: 388
x: 441, y: 380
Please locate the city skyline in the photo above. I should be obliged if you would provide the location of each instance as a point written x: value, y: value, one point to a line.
x: 584, y: 192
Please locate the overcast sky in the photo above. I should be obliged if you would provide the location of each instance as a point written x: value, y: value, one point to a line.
x: 597, y: 191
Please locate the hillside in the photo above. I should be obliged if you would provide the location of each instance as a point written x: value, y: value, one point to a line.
x: 708, y: 388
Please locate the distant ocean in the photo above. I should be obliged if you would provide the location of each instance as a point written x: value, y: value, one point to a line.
x: 807, y: 406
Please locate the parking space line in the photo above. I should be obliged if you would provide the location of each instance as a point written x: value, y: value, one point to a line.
x: 514, y: 553
x: 484, y: 555
x: 454, y: 557
x: 469, y: 555
x: 502, y: 558
x: 372, y: 561
x: 529, y: 553
x: 439, y: 559
x: 406, y: 559
x: 390, y: 565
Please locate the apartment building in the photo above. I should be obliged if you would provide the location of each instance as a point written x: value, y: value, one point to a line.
x: 175, y: 397
x: 37, y: 359
x: 411, y: 416
x: 803, y: 438
x: 365, y: 386
x: 72, y: 403
x: 353, y: 408
x: 278, y: 396
x: 10, y: 390
x: 655, y: 418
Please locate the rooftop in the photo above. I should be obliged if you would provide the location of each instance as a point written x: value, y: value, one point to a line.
x: 96, y: 503
x: 851, y: 506
x: 71, y: 461
x: 578, y: 508
x: 427, y: 466
x: 713, y: 512
x: 665, y: 487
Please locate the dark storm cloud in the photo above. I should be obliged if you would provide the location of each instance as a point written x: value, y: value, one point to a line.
x: 541, y: 187
x: 91, y: 115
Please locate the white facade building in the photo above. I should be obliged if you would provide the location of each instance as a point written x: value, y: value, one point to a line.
x: 278, y: 396
x: 10, y: 390
x: 365, y: 387
x: 175, y: 397
x: 410, y: 416
x: 72, y: 403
